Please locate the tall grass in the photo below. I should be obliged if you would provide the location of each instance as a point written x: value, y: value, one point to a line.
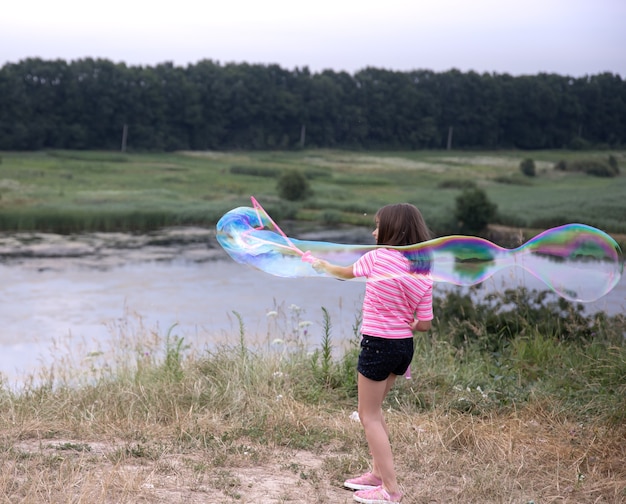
x: 540, y: 417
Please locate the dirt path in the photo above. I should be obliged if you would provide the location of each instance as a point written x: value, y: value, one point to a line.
x: 115, y: 472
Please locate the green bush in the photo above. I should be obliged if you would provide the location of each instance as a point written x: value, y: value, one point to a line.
x: 599, y: 169
x: 474, y: 211
x: 504, y: 316
x: 293, y: 186
x: 527, y: 167
x: 590, y: 167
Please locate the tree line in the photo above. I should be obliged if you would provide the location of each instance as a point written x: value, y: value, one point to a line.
x: 99, y: 104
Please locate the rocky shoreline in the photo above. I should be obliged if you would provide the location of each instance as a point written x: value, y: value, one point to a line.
x: 194, y: 244
x: 105, y: 250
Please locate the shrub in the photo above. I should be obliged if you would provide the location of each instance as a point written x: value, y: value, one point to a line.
x: 599, y: 169
x: 293, y: 186
x: 474, y: 211
x: 502, y: 317
x: 590, y: 167
x: 527, y: 167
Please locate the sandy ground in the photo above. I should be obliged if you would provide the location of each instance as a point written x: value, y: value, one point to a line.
x: 284, y: 476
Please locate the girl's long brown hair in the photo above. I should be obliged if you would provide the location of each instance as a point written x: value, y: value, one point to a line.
x: 402, y: 224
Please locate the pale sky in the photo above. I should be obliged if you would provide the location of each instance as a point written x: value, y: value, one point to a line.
x: 567, y: 37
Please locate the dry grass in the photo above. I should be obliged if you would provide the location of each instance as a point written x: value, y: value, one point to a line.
x: 234, y: 426
x: 528, y: 456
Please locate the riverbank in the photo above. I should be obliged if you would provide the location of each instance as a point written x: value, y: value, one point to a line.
x: 61, y: 293
x: 541, y: 422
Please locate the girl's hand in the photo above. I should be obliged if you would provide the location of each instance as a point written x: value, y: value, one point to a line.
x: 341, y: 272
x: 420, y: 325
x: 320, y: 265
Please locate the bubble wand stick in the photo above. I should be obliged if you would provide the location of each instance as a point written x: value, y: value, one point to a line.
x: 306, y: 256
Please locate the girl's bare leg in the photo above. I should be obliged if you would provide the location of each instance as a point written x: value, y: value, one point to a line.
x: 371, y: 395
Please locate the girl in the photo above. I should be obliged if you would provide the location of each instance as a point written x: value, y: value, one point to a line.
x: 398, y: 301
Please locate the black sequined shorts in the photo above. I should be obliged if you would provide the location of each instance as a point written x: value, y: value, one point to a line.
x: 380, y: 357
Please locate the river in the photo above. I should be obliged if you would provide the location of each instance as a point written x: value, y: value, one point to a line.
x: 62, y: 294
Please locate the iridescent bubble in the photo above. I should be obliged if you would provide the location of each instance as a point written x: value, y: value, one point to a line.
x: 578, y: 262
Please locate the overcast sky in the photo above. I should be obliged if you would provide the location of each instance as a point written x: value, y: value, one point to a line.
x: 567, y: 37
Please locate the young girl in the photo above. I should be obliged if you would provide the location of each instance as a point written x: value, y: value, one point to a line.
x: 398, y: 301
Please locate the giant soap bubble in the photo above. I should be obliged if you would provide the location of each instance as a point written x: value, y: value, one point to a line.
x: 578, y: 262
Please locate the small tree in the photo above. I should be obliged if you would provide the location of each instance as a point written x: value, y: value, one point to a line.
x: 293, y: 186
x: 527, y: 167
x: 474, y: 211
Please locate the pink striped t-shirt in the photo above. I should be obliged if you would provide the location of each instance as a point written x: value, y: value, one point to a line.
x: 392, y: 294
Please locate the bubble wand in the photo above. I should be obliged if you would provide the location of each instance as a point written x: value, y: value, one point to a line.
x: 305, y: 256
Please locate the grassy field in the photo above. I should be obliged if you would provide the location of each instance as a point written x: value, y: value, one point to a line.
x: 517, y: 402
x: 541, y: 420
x: 68, y: 191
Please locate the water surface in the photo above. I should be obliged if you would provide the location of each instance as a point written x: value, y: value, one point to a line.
x: 56, y: 291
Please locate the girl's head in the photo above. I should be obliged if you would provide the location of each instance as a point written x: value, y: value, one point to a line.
x: 400, y: 224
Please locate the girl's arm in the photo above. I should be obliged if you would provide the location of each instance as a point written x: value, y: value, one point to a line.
x: 343, y: 272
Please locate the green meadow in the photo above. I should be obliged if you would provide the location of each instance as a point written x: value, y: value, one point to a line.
x: 74, y: 191
x: 518, y: 398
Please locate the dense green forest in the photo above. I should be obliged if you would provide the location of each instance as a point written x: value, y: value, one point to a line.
x: 98, y: 104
